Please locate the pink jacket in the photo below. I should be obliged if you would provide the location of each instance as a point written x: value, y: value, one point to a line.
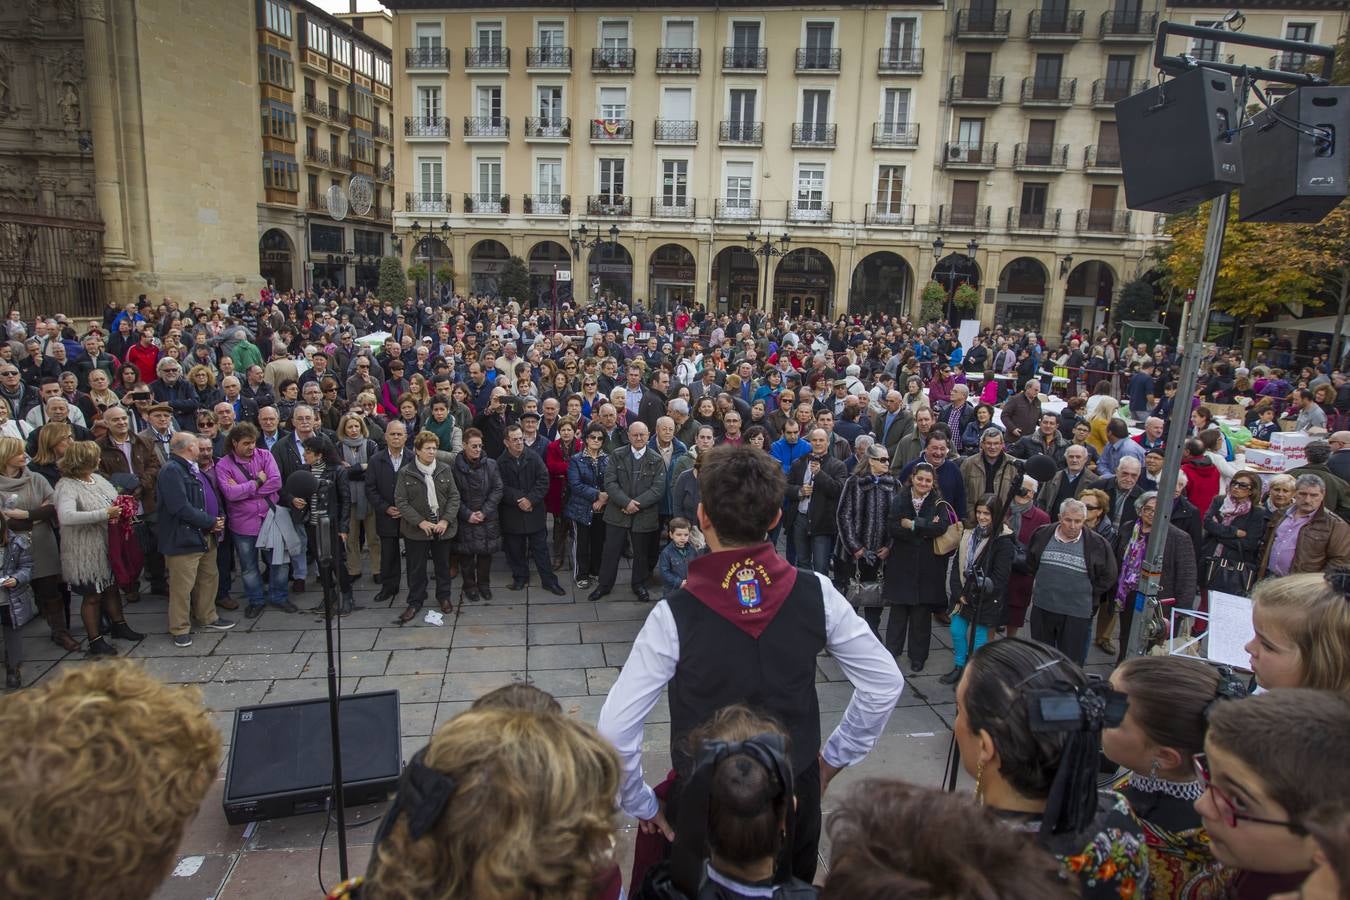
x: 246, y: 501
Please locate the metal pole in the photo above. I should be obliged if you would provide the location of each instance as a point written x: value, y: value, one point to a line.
x: 1146, y: 599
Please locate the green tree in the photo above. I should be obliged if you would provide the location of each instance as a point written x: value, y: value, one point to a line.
x: 931, y: 302
x: 393, y: 286
x: 514, y: 280
x: 1136, y: 303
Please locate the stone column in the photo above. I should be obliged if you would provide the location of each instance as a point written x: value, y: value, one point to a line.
x: 101, y: 119
x: 1052, y: 317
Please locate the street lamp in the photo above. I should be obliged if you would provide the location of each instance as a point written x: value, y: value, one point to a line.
x: 949, y: 276
x: 765, y: 249
x: 581, y: 240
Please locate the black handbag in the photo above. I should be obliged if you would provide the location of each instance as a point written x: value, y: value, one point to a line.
x: 1230, y: 576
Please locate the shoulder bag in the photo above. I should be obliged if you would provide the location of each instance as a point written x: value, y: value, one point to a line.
x: 949, y: 540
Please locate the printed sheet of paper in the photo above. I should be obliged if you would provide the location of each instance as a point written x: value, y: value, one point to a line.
x: 1230, y: 628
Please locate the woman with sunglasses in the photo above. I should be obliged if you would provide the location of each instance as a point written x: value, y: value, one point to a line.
x: 1163, y: 728
x: 1234, y: 529
x: 1038, y: 773
x: 1271, y: 761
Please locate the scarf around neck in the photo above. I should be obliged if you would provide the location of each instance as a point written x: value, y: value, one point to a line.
x: 428, y: 478
x: 1230, y: 510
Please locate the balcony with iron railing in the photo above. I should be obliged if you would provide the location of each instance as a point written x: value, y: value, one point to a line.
x: 675, y: 131
x: 893, y: 214
x: 900, y: 61
x: 745, y: 59
x: 612, y: 60
x: 1124, y: 23
x: 902, y: 135
x: 494, y: 58
x: 382, y: 133
x: 965, y: 218
x: 614, y: 206
x: 1039, y: 157
x: 1048, y: 91
x: 427, y: 58
x: 1106, y: 91
x: 810, y: 212
x: 551, y: 59
x: 611, y: 131
x: 318, y: 156
x: 496, y: 128
x: 747, y: 134
x: 736, y: 210
x: 673, y: 208
x: 975, y: 91
x: 818, y: 59
x: 1209, y: 52
x: 386, y: 172
x: 969, y: 155
x: 555, y: 128
x: 314, y: 107
x: 341, y: 161
x: 1101, y: 158
x: 426, y: 127
x: 678, y: 61
x: 1046, y: 220
x: 487, y: 204
x: 1055, y: 25
x: 1289, y: 62
x: 814, y: 135
x: 419, y: 201
x: 983, y: 24
x: 1115, y: 222
x: 547, y: 204
x: 317, y: 203
x: 339, y: 117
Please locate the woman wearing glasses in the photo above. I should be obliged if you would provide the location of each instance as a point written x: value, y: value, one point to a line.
x: 1235, y: 530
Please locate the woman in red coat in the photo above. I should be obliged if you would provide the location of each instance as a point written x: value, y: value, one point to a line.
x: 556, y: 457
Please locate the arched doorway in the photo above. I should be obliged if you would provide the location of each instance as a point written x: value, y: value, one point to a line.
x: 276, y: 256
x: 803, y: 284
x: 546, y: 259
x: 882, y: 283
x: 672, y: 278
x: 735, y: 280
x: 1021, y: 294
x: 952, y: 271
x: 433, y: 255
x: 1087, y: 298
x: 486, y: 260
x: 610, y: 272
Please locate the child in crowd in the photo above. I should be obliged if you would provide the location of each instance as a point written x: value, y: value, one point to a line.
x: 673, y: 566
x: 1302, y: 625
x: 16, y: 598
x: 1270, y: 761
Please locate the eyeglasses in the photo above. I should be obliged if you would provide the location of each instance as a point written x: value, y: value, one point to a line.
x: 1091, y: 508
x: 1240, y: 484
x: 1226, y: 806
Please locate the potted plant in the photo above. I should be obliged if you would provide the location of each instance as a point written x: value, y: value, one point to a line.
x: 931, y: 301
x: 966, y: 297
x: 506, y: 203
x: 567, y: 205
x: 468, y: 203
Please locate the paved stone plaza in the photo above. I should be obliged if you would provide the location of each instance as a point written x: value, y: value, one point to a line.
x: 565, y: 645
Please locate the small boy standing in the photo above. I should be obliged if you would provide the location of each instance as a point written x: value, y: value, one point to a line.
x: 673, y: 566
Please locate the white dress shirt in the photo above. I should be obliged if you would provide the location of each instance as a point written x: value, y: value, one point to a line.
x: 876, y: 679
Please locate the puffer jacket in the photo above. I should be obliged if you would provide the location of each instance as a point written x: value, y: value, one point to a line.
x: 480, y: 490
x: 16, y: 561
x: 861, y: 516
x: 585, y: 481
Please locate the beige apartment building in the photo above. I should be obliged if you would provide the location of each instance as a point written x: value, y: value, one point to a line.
x: 325, y: 89
x: 812, y: 159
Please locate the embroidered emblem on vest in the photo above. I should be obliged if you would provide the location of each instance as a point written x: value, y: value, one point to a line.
x: 747, y: 589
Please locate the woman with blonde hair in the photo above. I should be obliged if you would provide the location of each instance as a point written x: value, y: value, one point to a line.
x: 85, y: 505
x: 1097, y: 422
x: 417, y: 389
x: 15, y: 428
x: 52, y: 442
x: 202, y: 380
x: 1302, y: 625
x: 356, y: 448
x: 502, y: 804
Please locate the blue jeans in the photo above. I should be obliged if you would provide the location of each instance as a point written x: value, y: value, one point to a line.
x: 961, y: 638
x: 225, y: 565
x: 813, y: 550
x: 246, y: 548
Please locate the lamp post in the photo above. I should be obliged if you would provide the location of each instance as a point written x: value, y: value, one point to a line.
x: 580, y: 240
x: 765, y: 249
x: 949, y: 276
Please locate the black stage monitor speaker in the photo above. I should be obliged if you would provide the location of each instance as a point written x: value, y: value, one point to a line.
x: 1292, y: 175
x: 1176, y: 145
x: 281, y: 758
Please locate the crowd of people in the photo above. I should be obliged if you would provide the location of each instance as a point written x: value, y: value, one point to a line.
x: 780, y: 489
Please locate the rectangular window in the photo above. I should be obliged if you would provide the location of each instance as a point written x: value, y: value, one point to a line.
x: 550, y: 104
x: 276, y: 68
x: 613, y: 103
x: 1207, y: 50
x: 548, y: 179
x: 815, y: 108
x: 429, y: 102
x: 490, y: 103
x: 679, y: 34
x: 383, y: 71
x: 895, y: 110
x: 550, y: 35
x: 612, y: 180
x: 429, y: 177
x: 316, y: 37
x: 277, y: 16
x: 745, y: 35
x: 362, y: 147
x: 312, y: 184
x: 970, y: 132
x: 677, y: 104
x: 742, y: 106
x: 363, y: 103
x: 428, y: 35
x: 890, y: 190
x: 810, y: 186
x: 364, y: 59
x: 975, y: 75
x: 281, y: 172
x: 675, y: 182
x: 1033, y: 202
x: 901, y: 37
x: 489, y: 35
x: 278, y: 121
x: 489, y: 178
x: 819, y: 44
x: 1049, y: 67
x: 614, y: 35
x: 740, y: 185
x: 342, y: 51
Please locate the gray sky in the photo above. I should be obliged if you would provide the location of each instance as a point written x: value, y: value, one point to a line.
x: 342, y: 6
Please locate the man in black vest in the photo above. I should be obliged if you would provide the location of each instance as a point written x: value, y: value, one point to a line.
x: 746, y: 628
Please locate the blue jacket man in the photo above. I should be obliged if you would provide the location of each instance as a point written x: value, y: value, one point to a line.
x: 190, y: 519
x: 788, y: 452
x: 183, y: 517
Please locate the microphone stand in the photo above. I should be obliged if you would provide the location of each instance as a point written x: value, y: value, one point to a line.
x: 323, y: 551
x: 954, y: 751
